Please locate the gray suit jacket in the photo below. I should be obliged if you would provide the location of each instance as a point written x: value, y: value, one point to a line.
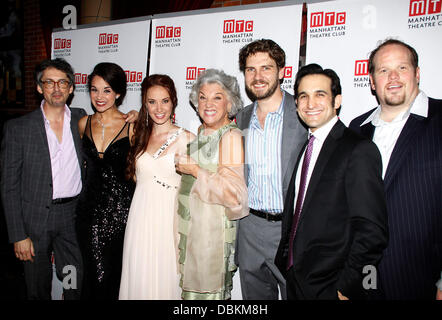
x: 26, y: 175
x: 294, y: 135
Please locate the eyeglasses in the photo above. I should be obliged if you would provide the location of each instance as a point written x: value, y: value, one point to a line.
x: 49, y: 84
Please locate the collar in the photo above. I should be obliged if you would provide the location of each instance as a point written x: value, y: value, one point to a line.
x: 67, y: 112
x: 322, y: 132
x: 418, y: 107
x: 279, y: 112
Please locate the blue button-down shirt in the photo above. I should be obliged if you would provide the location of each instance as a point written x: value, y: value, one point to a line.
x: 264, y: 161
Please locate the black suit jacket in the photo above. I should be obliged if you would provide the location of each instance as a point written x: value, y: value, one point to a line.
x: 413, y: 260
x: 26, y: 175
x: 343, y: 224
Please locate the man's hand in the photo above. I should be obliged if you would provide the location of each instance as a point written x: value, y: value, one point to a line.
x: 24, y: 250
x: 439, y: 294
x: 341, y: 297
x: 131, y: 116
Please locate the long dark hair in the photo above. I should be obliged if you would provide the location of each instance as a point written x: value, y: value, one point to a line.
x: 143, y: 127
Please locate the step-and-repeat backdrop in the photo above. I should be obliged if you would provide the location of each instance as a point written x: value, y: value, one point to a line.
x: 184, y: 46
x: 125, y: 44
x: 340, y: 35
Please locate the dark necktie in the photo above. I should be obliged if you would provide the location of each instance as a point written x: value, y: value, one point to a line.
x: 300, y: 199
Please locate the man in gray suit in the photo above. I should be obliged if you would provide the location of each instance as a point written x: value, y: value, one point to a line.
x: 274, y: 137
x: 40, y: 183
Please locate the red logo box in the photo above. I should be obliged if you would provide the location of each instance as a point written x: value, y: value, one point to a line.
x: 361, y: 67
x: 133, y: 76
x: 320, y: 19
x: 288, y: 72
x: 107, y: 38
x: 80, y: 78
x: 168, y: 32
x: 62, y: 43
x: 237, y: 26
x: 422, y: 7
x: 193, y: 72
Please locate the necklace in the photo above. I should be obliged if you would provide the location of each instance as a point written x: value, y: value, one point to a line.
x: 103, y: 126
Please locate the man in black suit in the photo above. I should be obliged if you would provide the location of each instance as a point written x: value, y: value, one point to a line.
x: 40, y: 183
x: 407, y: 128
x: 334, y: 225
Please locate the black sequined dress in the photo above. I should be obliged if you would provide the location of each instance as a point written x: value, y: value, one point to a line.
x: 102, y: 214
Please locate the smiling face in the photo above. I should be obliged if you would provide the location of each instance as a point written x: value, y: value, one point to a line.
x: 394, y: 79
x: 159, y: 104
x: 262, y: 76
x: 102, y: 95
x: 315, y: 103
x: 55, y: 96
x: 213, y: 106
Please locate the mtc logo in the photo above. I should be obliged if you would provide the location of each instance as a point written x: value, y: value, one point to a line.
x: 193, y: 72
x: 288, y: 72
x: 168, y: 32
x: 133, y: 76
x: 80, y: 78
x: 361, y: 67
x: 107, y: 38
x: 421, y: 7
x: 62, y: 43
x: 319, y: 19
x: 236, y: 26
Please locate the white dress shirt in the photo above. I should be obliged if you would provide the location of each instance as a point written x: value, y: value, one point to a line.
x: 386, y: 133
x: 320, y: 135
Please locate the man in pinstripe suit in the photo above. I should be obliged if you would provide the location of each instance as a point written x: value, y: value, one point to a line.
x: 407, y: 128
x: 274, y: 136
x: 40, y: 183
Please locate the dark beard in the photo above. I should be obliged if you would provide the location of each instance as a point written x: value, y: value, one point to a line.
x: 252, y: 96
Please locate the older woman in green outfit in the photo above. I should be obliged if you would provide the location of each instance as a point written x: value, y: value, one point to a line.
x: 213, y: 193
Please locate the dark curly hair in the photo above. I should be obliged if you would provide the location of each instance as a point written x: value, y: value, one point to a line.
x: 263, y: 45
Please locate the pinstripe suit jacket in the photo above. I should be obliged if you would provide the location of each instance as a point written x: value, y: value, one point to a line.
x: 412, y: 261
x: 26, y: 175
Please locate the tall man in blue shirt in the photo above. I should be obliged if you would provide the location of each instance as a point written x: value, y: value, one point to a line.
x: 274, y: 137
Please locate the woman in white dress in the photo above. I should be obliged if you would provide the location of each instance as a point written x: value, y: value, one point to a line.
x: 150, y: 254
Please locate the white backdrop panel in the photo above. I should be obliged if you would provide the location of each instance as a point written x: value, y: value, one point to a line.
x: 183, y: 46
x: 125, y: 44
x: 341, y: 35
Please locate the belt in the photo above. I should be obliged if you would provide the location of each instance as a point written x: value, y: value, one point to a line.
x: 63, y: 200
x: 266, y: 215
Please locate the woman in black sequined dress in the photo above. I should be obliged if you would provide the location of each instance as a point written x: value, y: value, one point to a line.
x: 106, y: 196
